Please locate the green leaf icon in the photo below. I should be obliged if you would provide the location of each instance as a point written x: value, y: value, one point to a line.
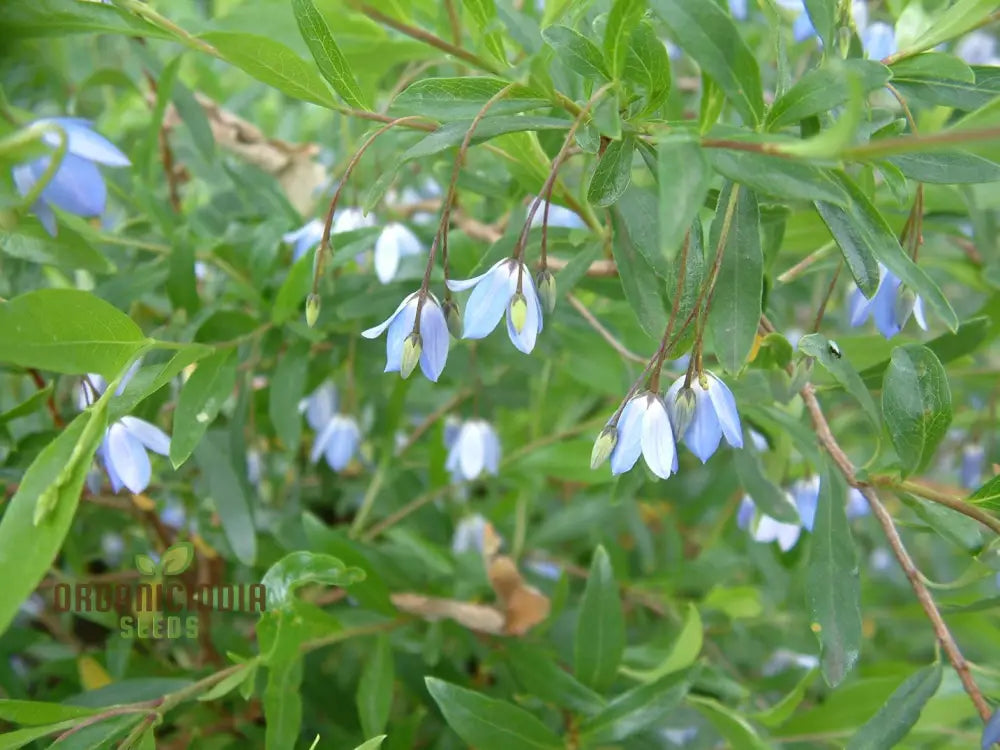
x: 177, y: 558
x: 145, y: 565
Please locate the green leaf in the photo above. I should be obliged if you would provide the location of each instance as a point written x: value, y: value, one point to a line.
x: 600, y: 626
x: 272, y: 63
x: 177, y: 558
x: 648, y: 65
x: 67, y: 331
x: 54, y: 481
x: 823, y: 14
x: 916, y: 404
x: 33, y: 713
x: 148, y: 380
x: 736, y: 306
x: 330, y: 60
x: 225, y: 489
x: 280, y: 639
x: 296, y: 569
x: 145, y: 564
x: 374, y: 695
x: 961, y: 17
x: 896, y: 718
x: 490, y: 724
x: 767, y: 496
x: 684, y: 178
x: 947, y: 167
x: 682, y: 654
x: 67, y: 250
x: 579, y: 53
x: 200, y: 400
x: 613, y: 173
x: 988, y: 495
x: 956, y: 527
x: 538, y: 674
x: 287, y: 388
x: 860, y: 228
x: 780, y: 712
x: 30, y: 405
x: 294, y: 288
x: 463, y: 98
x: 708, y: 34
x: 373, y: 744
x: 818, y: 346
x: 635, y: 711
x: 21, y: 737
x: 776, y: 176
x: 738, y: 732
x: 822, y: 89
x: 484, y: 12
x: 229, y: 684
x: 624, y: 15
x: 643, y: 288
x: 55, y: 18
x: 833, y: 593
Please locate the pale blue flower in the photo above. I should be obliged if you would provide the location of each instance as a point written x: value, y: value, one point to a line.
x: 878, y: 40
x: 506, y: 286
x: 890, y: 306
x: 973, y: 461
x: 978, y: 48
x: 304, y: 238
x: 475, y: 449
x: 765, y: 529
x: 434, y: 337
x: 680, y: 737
x: 805, y: 492
x: 857, y: 505
x: 644, y: 429
x: 112, y: 548
x: 77, y: 186
x: 174, y: 514
x: 350, y: 220
x: 738, y: 8
x: 468, y: 535
x: 559, y: 216
x: 338, y: 436
x: 991, y: 732
x: 714, y: 414
x: 395, y: 242
x: 254, y: 467
x: 545, y: 569
x: 784, y: 658
x: 124, y: 452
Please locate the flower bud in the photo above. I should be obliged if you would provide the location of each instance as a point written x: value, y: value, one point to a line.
x: 518, y: 311
x: 682, y: 411
x: 412, y: 347
x: 453, y: 318
x: 312, y: 309
x: 546, y: 284
x: 603, y: 446
x: 904, y: 305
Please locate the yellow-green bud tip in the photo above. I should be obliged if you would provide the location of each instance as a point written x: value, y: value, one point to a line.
x: 603, y: 446
x: 518, y: 311
x: 546, y: 284
x: 683, y: 411
x: 312, y: 309
x: 412, y: 347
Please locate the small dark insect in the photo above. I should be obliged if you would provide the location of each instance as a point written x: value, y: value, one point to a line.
x: 834, y: 349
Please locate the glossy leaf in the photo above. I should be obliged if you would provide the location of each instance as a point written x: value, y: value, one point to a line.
x: 820, y: 90
x: 682, y: 654
x: 579, y: 53
x: 648, y: 65
x: 613, y: 173
x: 896, y: 718
x: 330, y: 60
x: 296, y: 569
x: 738, y: 732
x: 823, y: 14
x: 947, y: 167
x: 776, y: 176
x: 600, y: 626
x: 200, y: 400
x: 624, y: 15
x: 916, y: 404
x: 833, y: 592
x: 462, y: 98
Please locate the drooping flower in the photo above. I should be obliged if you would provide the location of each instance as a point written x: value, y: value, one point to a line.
x: 475, y: 448
x: 890, y: 306
x: 304, y: 238
x: 805, y: 492
x: 644, y: 428
x: 338, y: 436
x: 405, y: 346
x: 973, y: 460
x: 765, y: 529
x: 703, y: 413
x: 506, y: 286
x: 395, y: 242
x: 173, y: 515
x: 77, y: 186
x: 468, y: 535
x: 878, y: 40
x: 350, y: 220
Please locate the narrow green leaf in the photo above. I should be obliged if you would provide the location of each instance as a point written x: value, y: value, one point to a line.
x: 682, y: 654
x: 463, y: 98
x: 225, y: 490
x: 296, y: 569
x: 818, y: 346
x: 613, y: 173
x: 67, y: 250
x: 287, y: 388
x: 226, y: 686
x: 988, y: 495
x: 833, y: 592
x: 67, y: 331
x: 374, y: 695
x: 200, y: 400
x: 624, y: 15
x: 329, y: 59
x: 822, y: 89
x: 736, y: 306
x: 30, y: 405
x: 538, y: 674
x: 896, y: 718
x: 600, y: 626
x: 776, y: 176
x: 484, y: 12
x: 647, y: 64
x: 916, y: 404
x: 947, y: 167
x: 643, y: 289
x: 766, y: 495
x: 373, y: 744
x: 684, y: 178
x: 709, y: 35
x: 780, y: 712
x: 860, y: 231
x: 579, y: 53
x: 738, y: 732
x: 961, y: 17
x: 280, y: 640
x: 635, y: 711
x: 488, y: 723
x: 33, y: 713
x: 823, y: 14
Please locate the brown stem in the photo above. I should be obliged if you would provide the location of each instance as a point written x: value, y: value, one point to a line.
x: 50, y: 403
x: 454, y: 22
x: 942, y: 498
x: 941, y: 631
x: 605, y: 334
x: 826, y: 297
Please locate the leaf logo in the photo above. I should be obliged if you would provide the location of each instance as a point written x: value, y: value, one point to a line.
x: 174, y: 561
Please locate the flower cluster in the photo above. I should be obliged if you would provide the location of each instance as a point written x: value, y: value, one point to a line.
x: 700, y: 414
